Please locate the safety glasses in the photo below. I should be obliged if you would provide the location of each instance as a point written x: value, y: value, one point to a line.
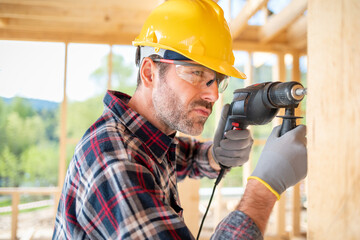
x: 198, y: 75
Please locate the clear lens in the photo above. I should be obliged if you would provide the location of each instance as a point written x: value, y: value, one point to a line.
x: 223, y: 83
x: 197, y: 75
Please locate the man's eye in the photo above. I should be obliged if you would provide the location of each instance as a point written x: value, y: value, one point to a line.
x: 208, y: 84
x: 198, y: 73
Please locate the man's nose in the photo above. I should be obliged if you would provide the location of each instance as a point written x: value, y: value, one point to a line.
x: 211, y: 93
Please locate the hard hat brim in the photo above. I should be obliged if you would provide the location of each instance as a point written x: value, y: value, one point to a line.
x: 214, y: 64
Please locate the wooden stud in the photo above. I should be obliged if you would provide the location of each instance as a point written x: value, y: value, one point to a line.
x: 190, y: 198
x: 110, y: 65
x: 218, y: 199
x: 15, y: 200
x: 248, y: 166
x: 280, y: 209
x: 296, y: 198
x: 63, y: 130
x: 333, y: 116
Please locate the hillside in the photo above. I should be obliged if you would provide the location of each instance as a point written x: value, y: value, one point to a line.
x: 37, y: 104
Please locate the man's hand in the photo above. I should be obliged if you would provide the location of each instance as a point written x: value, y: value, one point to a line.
x: 283, y: 161
x: 234, y: 149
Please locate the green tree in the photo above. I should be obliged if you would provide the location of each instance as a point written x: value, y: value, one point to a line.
x: 10, y: 169
x: 81, y: 115
x: 3, y: 110
x: 121, y: 72
x: 23, y: 108
x: 44, y: 157
x: 23, y: 131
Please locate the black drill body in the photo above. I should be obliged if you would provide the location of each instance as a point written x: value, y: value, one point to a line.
x: 258, y: 104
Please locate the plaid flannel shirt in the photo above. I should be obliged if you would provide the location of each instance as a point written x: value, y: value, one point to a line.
x: 122, y: 182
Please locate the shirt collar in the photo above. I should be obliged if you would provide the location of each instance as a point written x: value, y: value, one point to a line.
x: 158, y: 142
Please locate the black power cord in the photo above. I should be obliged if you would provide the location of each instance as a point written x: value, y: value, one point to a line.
x: 218, y: 179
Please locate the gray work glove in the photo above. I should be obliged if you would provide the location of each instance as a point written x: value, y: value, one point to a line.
x: 283, y: 161
x: 234, y: 149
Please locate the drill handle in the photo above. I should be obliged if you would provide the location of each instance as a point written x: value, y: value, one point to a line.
x: 289, y: 121
x: 234, y: 122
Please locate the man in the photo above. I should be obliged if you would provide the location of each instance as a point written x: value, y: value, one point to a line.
x: 122, y: 180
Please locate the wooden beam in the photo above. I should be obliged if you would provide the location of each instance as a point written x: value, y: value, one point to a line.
x: 3, y: 22
x: 333, y: 116
x: 83, y: 14
x: 297, y: 33
x: 298, y: 29
x: 71, y: 27
x: 131, y: 5
x: 238, y: 24
x: 251, y: 33
x: 75, y: 37
x: 279, y: 22
x: 256, y: 47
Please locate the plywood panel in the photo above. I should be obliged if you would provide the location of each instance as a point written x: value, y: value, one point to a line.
x: 333, y: 106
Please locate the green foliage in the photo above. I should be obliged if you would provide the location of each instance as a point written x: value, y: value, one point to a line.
x: 22, y: 108
x: 29, y: 137
x: 120, y: 74
x: 81, y: 115
x: 45, y: 157
x: 23, y: 132
x: 9, y: 168
x: 28, y: 146
x: 3, y: 110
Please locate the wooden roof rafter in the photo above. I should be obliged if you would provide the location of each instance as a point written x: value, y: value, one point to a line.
x: 240, y: 22
x: 119, y: 22
x: 281, y: 21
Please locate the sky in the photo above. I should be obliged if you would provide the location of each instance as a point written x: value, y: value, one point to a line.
x: 36, y: 69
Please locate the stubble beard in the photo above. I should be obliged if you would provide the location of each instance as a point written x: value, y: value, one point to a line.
x: 171, y: 112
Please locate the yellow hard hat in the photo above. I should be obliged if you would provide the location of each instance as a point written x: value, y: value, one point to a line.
x: 196, y: 29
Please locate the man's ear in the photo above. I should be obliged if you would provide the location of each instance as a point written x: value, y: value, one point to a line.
x: 147, y: 72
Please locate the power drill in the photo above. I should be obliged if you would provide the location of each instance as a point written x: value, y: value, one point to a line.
x: 258, y: 104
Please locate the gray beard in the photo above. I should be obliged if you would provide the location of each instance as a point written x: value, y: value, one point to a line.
x: 171, y: 112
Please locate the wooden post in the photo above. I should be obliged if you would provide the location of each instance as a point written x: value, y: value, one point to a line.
x: 189, y: 196
x: 333, y: 119
x: 280, y: 205
x: 109, y: 68
x: 62, y: 159
x: 296, y: 207
x: 15, y: 200
x: 247, y: 167
x: 218, y: 199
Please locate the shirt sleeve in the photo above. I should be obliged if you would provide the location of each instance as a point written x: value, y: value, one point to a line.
x: 237, y: 225
x: 192, y: 159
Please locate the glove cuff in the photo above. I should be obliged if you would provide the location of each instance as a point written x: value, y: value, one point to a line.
x: 266, y: 185
x: 212, y: 149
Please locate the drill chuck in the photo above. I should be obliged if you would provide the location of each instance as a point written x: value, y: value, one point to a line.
x: 285, y: 94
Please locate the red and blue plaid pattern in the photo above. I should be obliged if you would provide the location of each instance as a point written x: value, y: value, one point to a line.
x: 122, y: 180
